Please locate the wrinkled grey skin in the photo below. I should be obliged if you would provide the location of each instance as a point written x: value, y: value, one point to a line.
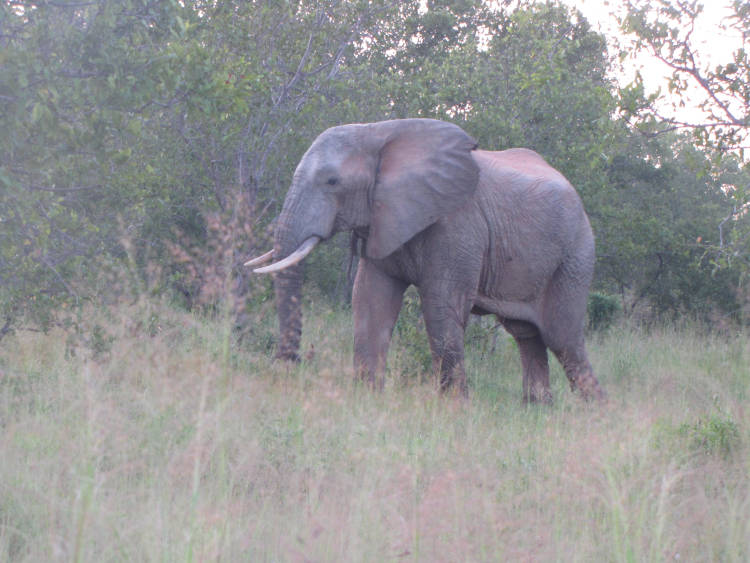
x: 475, y: 231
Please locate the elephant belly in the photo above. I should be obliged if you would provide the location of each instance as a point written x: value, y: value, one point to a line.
x: 515, y: 310
x: 516, y: 291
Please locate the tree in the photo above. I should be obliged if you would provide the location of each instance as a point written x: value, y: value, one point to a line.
x: 75, y: 82
x: 665, y: 29
x: 141, y: 119
x: 163, y: 135
x: 654, y: 225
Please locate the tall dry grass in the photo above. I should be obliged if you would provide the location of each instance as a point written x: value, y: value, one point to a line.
x: 161, y: 440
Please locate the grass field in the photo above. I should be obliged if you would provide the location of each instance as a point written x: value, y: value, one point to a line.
x: 157, y: 438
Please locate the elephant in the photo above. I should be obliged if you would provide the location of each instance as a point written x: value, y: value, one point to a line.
x: 476, y: 231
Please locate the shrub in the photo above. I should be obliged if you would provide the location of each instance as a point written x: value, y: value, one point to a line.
x: 603, y: 309
x: 209, y: 273
x: 715, y: 434
x: 413, y: 343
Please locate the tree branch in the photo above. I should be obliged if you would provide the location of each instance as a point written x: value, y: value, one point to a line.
x: 6, y: 327
x: 703, y: 82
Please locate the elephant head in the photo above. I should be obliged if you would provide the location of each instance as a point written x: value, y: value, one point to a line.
x: 387, y: 181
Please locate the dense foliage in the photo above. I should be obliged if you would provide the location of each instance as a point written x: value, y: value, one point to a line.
x: 151, y: 143
x: 721, y: 89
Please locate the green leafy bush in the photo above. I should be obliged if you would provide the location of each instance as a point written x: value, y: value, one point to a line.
x: 715, y: 434
x: 412, y: 344
x: 603, y: 309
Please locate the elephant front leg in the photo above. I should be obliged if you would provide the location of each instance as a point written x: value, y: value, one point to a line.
x: 376, y: 302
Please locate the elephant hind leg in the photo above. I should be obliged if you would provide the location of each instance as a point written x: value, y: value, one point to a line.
x: 580, y: 375
x: 535, y: 370
x: 445, y: 321
x: 564, y: 317
x: 534, y: 361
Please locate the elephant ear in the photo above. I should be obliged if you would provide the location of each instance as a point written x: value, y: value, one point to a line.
x: 426, y: 171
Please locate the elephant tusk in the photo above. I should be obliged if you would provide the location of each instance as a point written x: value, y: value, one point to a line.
x: 262, y: 259
x: 304, y: 249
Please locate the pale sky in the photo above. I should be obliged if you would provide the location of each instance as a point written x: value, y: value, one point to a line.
x: 713, y: 44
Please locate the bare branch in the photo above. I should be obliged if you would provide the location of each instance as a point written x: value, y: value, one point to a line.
x: 6, y: 327
x: 54, y: 189
x: 704, y: 83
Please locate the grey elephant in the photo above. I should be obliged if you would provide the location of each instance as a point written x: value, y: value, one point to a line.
x: 475, y: 231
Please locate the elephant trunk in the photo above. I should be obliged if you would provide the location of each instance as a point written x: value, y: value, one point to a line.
x: 288, y: 287
x: 306, y: 218
x: 293, y: 241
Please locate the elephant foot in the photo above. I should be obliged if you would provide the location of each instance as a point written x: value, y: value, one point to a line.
x: 589, y: 389
x: 539, y: 396
x: 288, y: 356
x: 454, y: 388
x: 371, y: 381
x: 455, y: 392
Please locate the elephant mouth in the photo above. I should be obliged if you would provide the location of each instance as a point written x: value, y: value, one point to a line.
x: 341, y: 224
x: 294, y: 258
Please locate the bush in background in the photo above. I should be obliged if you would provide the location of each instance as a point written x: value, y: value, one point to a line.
x: 603, y: 310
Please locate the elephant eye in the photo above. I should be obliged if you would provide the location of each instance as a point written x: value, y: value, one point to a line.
x: 332, y: 181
